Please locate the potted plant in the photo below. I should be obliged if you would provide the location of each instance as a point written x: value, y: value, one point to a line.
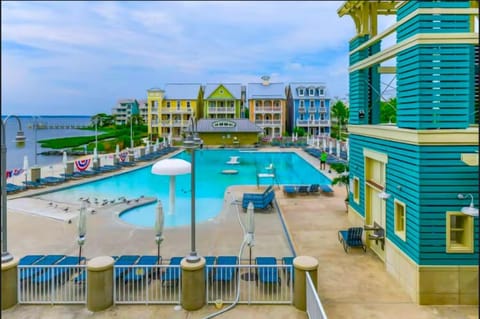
x: 342, y: 178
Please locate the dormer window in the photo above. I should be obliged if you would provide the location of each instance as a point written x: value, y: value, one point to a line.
x: 320, y: 92
x: 311, y: 92
x: 168, y: 104
x: 301, y: 92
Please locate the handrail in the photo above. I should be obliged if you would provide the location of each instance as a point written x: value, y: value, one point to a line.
x: 314, y: 305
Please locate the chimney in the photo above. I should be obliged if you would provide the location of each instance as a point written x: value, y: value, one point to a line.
x: 265, y: 80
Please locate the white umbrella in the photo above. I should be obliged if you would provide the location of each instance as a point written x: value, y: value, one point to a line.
x: 330, y: 147
x: 164, y: 141
x: 117, y: 151
x: 64, y: 160
x: 147, y: 147
x: 95, y: 155
x: 338, y: 148
x: 159, y: 221
x: 25, y: 168
x: 250, y: 228
x: 324, y: 143
x: 81, y: 229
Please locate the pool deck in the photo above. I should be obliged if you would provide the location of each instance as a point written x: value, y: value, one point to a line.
x: 354, y: 285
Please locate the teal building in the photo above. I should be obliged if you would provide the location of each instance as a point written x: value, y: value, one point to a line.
x: 414, y: 183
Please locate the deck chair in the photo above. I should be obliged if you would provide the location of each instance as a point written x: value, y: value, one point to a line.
x: 303, y: 189
x: 209, y: 261
x: 30, y: 259
x: 28, y: 274
x: 325, y: 188
x: 125, y: 260
x: 351, y: 238
x: 289, y: 189
x: 58, y: 274
x: 225, y: 273
x: 289, y: 270
x: 172, y: 274
x: 136, y: 274
x: 267, y: 275
x: 314, y: 188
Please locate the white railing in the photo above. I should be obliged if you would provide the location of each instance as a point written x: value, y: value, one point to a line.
x: 314, y: 306
x: 147, y: 284
x: 265, y: 290
x: 52, y: 284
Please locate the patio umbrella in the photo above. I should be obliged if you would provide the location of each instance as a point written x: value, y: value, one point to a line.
x: 164, y: 141
x: 95, y: 155
x: 117, y: 152
x: 324, y: 141
x: 64, y: 160
x: 250, y: 228
x: 147, y: 147
x: 159, y: 221
x: 25, y: 168
x: 330, y: 147
x: 81, y: 229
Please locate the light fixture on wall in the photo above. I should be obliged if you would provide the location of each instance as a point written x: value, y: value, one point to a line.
x: 384, y: 195
x: 469, y: 210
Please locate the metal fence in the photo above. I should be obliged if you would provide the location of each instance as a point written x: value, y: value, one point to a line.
x: 314, y: 306
x: 254, y: 284
x: 157, y: 284
x: 52, y: 284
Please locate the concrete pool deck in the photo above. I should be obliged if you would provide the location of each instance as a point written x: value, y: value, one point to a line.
x: 354, y: 285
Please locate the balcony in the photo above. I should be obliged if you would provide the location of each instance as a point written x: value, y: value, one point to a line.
x: 222, y: 110
x: 154, y: 123
x: 322, y: 110
x: 171, y: 110
x: 268, y: 122
x: 312, y: 110
x: 301, y: 109
x: 271, y: 109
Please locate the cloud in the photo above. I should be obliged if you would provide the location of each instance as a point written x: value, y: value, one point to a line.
x: 101, y: 51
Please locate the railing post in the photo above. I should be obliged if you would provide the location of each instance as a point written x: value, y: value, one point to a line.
x: 301, y: 265
x: 100, y: 283
x: 9, y: 283
x: 193, y: 284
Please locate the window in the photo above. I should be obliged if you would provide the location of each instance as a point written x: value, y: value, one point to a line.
x: 300, y: 92
x: 179, y: 104
x: 322, y: 103
x: 400, y: 218
x: 302, y: 103
x: 168, y: 104
x: 311, y: 92
x: 320, y: 92
x: 459, y: 233
x: 188, y: 104
x: 312, y: 103
x: 356, y: 190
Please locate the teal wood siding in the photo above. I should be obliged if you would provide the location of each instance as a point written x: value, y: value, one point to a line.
x: 427, y: 23
x: 435, y: 86
x: 358, y: 82
x: 413, y: 5
x: 435, y: 172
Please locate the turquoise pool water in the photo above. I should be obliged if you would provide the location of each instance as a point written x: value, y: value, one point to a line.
x: 210, y: 184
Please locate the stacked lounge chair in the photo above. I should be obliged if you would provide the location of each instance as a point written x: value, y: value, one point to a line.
x: 226, y: 274
x: 58, y: 274
x: 172, y: 274
x: 137, y: 274
x: 267, y: 275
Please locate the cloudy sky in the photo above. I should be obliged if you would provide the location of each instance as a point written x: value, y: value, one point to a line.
x: 81, y: 57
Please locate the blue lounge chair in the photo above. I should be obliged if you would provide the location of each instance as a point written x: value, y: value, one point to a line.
x: 314, y: 188
x: 31, y: 184
x: 259, y: 200
x: 289, y: 270
x: 225, y: 273
x: 125, y: 260
x: 57, y: 274
x: 267, y: 275
x: 303, y: 189
x: 290, y: 189
x: 351, y: 238
x: 172, y: 274
x: 326, y: 189
x: 30, y: 273
x: 30, y: 259
x: 12, y: 188
x: 50, y: 180
x: 209, y: 261
x: 136, y: 274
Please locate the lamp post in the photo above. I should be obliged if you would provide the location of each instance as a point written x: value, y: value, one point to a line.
x: 35, y: 128
x: 20, y: 137
x: 192, y: 141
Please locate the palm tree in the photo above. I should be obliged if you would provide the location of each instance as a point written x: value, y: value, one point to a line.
x: 340, y: 112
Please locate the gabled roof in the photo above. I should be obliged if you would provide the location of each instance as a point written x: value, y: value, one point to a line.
x: 235, y: 89
x: 240, y: 125
x: 182, y: 91
x: 260, y: 91
x: 306, y: 85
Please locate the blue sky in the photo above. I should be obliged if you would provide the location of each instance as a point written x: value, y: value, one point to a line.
x: 81, y: 57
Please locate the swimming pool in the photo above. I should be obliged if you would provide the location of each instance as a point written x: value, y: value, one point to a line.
x: 210, y: 184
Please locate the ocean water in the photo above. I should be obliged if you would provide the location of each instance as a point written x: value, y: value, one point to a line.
x: 16, y: 152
